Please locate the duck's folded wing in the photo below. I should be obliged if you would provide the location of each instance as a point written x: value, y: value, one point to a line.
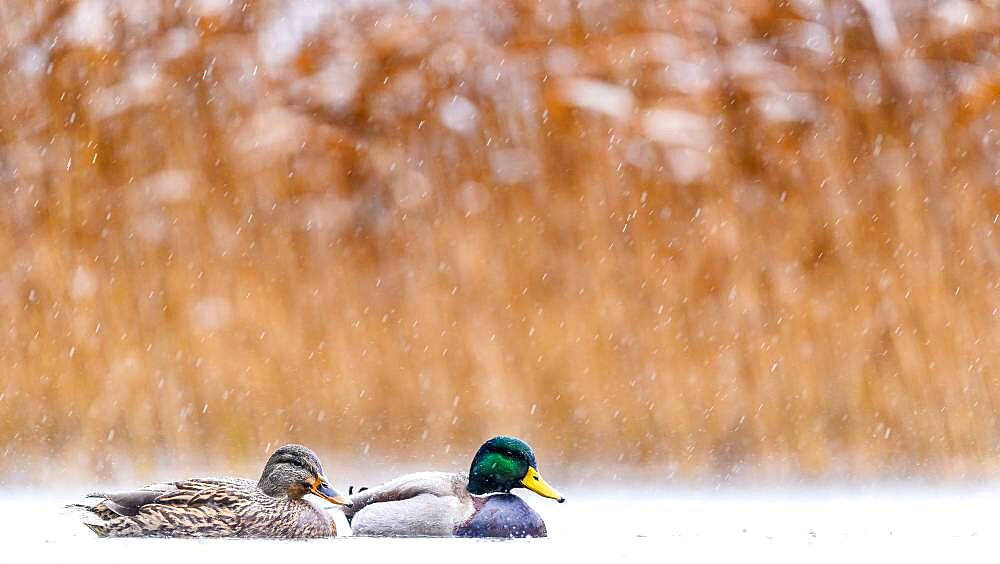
x: 187, y: 492
x: 128, y: 502
x: 439, y: 484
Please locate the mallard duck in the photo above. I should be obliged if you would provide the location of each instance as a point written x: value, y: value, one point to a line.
x: 224, y: 507
x: 441, y: 504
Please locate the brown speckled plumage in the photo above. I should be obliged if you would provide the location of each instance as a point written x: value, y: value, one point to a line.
x: 220, y: 507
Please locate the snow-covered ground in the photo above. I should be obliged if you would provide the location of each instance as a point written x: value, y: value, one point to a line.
x: 839, y: 524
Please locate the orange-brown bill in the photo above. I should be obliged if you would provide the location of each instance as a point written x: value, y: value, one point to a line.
x: 323, y: 489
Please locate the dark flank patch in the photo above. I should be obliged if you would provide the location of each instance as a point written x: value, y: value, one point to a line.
x: 503, y: 516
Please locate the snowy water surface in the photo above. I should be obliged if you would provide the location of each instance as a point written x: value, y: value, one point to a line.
x: 867, y: 523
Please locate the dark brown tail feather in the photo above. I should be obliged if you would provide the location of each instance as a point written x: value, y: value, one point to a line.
x: 100, y: 530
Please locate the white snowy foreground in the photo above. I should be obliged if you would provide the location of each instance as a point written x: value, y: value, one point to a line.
x: 842, y: 524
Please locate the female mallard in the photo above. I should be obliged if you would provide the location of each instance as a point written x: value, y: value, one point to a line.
x: 440, y: 504
x: 225, y: 507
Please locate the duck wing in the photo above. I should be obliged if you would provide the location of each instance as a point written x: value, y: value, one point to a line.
x: 435, y: 484
x: 186, y: 492
x: 127, y: 503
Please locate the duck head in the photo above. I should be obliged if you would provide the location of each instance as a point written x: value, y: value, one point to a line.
x: 504, y: 463
x: 294, y: 471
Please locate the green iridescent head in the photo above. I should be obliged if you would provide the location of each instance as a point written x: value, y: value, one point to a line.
x: 504, y: 463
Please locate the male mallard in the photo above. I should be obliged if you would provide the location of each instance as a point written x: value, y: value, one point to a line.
x: 225, y: 507
x: 441, y: 504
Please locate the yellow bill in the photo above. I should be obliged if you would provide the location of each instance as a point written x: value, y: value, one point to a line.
x: 534, y: 482
x: 323, y: 489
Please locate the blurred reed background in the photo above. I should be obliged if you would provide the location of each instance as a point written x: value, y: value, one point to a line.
x: 711, y: 238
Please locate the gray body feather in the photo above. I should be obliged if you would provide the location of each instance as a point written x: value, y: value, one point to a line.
x: 429, y: 504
